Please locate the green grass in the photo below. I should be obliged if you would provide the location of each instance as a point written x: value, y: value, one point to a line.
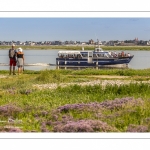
x: 90, y: 47
x: 48, y: 100
x: 120, y: 72
x: 38, y: 105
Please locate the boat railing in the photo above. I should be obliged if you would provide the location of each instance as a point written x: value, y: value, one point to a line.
x: 94, y: 54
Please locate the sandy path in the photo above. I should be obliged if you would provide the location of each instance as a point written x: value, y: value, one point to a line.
x: 91, y: 83
x: 3, y: 76
x: 109, y: 76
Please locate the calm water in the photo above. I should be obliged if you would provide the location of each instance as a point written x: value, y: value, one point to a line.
x: 39, y: 59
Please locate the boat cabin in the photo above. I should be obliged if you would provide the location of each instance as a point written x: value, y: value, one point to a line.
x: 83, y: 54
x: 98, y: 53
x: 98, y: 49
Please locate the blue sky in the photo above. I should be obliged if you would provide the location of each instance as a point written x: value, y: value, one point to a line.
x: 82, y: 29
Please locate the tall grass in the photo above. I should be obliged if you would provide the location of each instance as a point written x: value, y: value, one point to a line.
x: 90, y: 47
x: 50, y: 76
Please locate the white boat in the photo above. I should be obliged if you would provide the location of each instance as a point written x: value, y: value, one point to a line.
x: 98, y: 57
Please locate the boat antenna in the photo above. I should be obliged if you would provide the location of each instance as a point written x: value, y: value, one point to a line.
x: 98, y: 43
x: 95, y: 42
x: 82, y: 47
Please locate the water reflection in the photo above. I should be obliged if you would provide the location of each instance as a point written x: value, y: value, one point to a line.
x: 96, y: 67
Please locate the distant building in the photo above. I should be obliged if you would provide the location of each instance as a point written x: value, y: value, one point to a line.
x: 136, y: 40
x: 110, y: 43
x: 91, y: 41
x: 104, y: 42
x: 66, y: 42
x: 71, y: 42
x: 58, y: 43
x: 148, y: 42
x: 29, y: 43
x: 47, y: 43
x: 78, y: 42
x: 141, y: 42
x: 18, y: 43
x: 75, y: 42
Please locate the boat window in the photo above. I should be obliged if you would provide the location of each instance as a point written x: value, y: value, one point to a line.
x: 84, y: 55
x: 90, y: 54
x: 79, y: 56
x: 98, y: 55
x: 106, y: 55
x: 94, y: 55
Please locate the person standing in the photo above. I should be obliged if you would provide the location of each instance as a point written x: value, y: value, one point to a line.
x: 20, y: 60
x: 12, y: 59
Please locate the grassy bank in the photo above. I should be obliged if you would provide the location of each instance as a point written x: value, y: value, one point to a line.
x: 90, y: 71
x: 90, y: 47
x: 75, y: 108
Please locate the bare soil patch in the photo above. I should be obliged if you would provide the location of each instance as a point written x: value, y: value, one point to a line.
x: 109, y: 76
x: 3, y: 76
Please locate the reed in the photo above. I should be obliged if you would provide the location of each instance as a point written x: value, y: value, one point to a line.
x: 75, y: 47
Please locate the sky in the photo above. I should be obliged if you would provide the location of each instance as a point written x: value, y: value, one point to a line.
x: 76, y: 29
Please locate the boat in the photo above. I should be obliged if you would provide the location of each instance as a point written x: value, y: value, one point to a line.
x: 95, y: 58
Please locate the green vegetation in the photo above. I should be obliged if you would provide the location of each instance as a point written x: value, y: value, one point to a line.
x: 57, y: 101
x: 122, y: 72
x: 89, y: 71
x: 74, y: 47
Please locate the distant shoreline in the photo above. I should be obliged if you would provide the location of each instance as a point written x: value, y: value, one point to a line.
x: 76, y: 47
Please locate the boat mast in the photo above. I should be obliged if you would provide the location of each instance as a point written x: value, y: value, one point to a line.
x: 98, y: 43
x: 82, y: 47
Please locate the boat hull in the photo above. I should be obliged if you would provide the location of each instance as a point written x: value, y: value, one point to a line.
x: 93, y: 61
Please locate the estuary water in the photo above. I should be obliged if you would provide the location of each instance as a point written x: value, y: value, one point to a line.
x: 40, y: 59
